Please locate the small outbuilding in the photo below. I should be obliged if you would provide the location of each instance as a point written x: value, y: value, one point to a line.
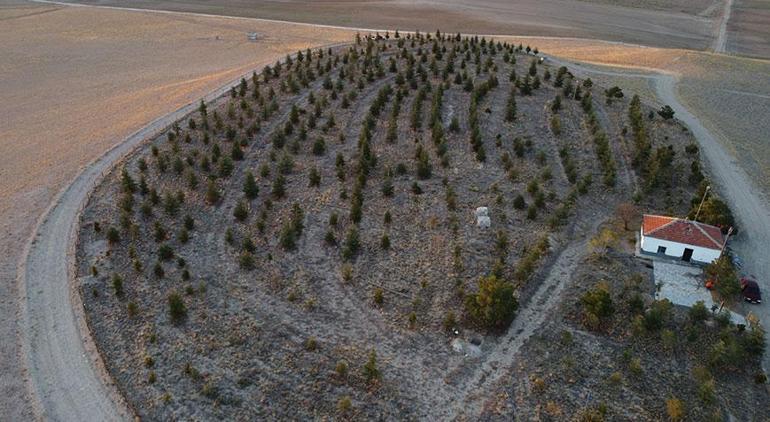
x: 679, y: 238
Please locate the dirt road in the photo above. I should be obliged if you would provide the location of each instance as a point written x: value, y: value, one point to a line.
x: 67, y: 377
x: 720, y: 41
x: 732, y: 182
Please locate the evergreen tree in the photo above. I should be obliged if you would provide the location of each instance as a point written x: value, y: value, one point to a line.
x: 250, y: 188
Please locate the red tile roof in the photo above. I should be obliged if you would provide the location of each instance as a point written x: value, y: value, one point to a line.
x: 683, y: 231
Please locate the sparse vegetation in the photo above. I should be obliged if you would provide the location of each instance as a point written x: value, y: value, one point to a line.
x: 332, y: 197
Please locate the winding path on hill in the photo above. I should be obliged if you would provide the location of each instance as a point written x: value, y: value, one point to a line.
x: 720, y: 40
x: 67, y: 378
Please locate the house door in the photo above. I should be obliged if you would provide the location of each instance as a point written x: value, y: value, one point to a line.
x: 687, y: 256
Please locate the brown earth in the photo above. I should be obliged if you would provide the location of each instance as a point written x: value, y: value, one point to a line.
x: 75, y: 82
x: 696, y: 7
x: 664, y: 27
x: 749, y: 28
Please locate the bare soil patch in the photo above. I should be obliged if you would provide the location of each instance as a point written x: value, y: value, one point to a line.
x: 662, y: 26
x: 749, y: 28
x: 699, y: 7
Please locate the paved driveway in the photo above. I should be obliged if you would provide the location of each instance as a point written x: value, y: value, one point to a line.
x: 683, y: 285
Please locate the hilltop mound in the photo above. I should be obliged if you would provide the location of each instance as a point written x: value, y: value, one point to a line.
x: 312, y: 245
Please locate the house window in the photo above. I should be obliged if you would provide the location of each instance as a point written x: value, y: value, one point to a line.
x: 661, y: 250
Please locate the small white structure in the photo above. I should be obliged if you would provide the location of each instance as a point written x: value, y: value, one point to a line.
x: 683, y: 239
x: 482, y: 217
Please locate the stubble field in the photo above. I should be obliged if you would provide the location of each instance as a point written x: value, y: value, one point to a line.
x: 661, y: 25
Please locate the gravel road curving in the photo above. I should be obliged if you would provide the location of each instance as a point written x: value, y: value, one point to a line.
x: 66, y: 376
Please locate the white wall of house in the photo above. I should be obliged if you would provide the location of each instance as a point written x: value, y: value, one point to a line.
x: 676, y: 250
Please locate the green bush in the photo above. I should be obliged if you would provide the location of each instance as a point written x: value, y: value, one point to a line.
x: 246, y: 260
x: 241, y: 211
x: 655, y: 317
x: 493, y: 306
x: 598, y: 302
x: 352, y: 244
x: 250, y: 188
x: 117, y: 285
x: 385, y: 242
x: 725, y: 278
x: 176, y: 307
x: 379, y: 296
x: 212, y: 193
x: 292, y: 229
x: 319, y: 147
x: 370, y: 370
x: 279, y: 189
x: 698, y: 312
x: 165, y: 252
x: 113, y: 235
x: 314, y: 178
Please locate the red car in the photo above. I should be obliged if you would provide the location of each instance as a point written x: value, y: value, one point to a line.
x: 750, y: 290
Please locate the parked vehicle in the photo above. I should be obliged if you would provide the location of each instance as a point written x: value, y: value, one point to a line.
x: 750, y: 290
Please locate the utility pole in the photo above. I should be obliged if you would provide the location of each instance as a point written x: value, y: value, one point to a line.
x: 705, y: 193
x: 724, y: 245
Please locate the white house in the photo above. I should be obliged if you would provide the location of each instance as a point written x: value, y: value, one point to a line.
x: 679, y: 238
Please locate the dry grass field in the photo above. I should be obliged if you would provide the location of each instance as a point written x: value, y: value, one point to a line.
x: 708, y: 8
x: 76, y: 81
x: 749, y: 28
x: 663, y: 24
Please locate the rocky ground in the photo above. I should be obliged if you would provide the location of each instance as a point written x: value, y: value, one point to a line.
x: 335, y: 284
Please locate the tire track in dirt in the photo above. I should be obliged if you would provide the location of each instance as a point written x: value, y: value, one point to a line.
x: 475, y: 389
x: 720, y: 40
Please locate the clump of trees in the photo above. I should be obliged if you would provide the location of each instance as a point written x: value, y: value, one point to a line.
x: 714, y: 211
x: 493, y: 306
x: 601, y: 142
x: 532, y: 254
x: 597, y: 305
x: 725, y: 277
